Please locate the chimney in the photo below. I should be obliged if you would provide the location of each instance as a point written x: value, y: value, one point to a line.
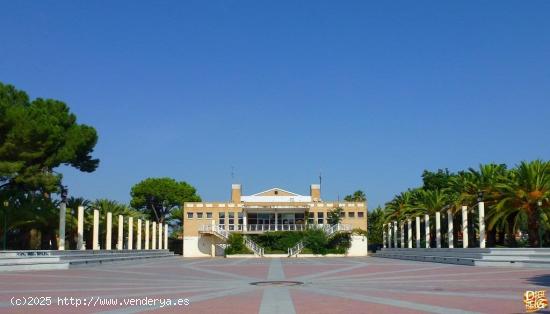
x: 315, y: 192
x: 236, y: 193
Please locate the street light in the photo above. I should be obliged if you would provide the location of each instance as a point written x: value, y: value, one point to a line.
x: 539, y: 204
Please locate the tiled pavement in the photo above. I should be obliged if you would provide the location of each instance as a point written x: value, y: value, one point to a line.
x: 331, y: 285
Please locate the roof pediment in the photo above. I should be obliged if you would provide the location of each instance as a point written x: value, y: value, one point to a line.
x: 275, y: 192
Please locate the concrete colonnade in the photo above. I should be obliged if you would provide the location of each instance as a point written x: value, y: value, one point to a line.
x: 392, y: 230
x: 150, y: 238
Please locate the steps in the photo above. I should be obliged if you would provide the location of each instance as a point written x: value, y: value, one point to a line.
x: 45, y: 259
x: 516, y: 257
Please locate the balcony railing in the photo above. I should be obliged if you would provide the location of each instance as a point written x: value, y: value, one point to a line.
x: 224, y: 230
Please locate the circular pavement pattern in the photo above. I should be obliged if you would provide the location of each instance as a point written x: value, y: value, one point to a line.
x: 218, y: 285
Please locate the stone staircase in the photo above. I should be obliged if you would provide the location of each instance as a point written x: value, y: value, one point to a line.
x: 518, y: 257
x: 46, y: 259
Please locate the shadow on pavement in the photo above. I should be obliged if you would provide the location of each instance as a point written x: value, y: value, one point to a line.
x: 540, y: 280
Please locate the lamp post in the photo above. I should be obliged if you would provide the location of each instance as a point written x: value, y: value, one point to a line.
x: 539, y: 205
x: 6, y: 204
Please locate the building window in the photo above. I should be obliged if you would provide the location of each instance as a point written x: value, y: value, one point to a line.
x: 360, y: 214
x: 189, y: 215
x: 342, y: 214
x: 351, y: 214
x: 231, y: 221
x: 240, y: 215
x: 311, y: 218
x: 199, y: 215
x: 209, y: 215
x: 299, y: 218
x: 320, y: 218
x: 221, y: 218
x: 276, y: 192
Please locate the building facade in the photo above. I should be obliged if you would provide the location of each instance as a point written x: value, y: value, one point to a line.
x: 271, y: 210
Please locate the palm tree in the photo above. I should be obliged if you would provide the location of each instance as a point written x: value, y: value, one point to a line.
x: 357, y: 196
x: 527, y: 192
x: 466, y: 187
x: 399, y: 206
x: 72, y: 218
x: 429, y: 202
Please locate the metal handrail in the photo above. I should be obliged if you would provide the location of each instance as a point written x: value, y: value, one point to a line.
x: 258, y: 250
x: 295, y: 250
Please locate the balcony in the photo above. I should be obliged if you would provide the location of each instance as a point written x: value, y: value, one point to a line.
x: 261, y: 228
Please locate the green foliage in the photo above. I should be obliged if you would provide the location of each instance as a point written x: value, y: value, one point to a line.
x: 335, y: 216
x: 375, y: 223
x: 357, y: 196
x: 162, y: 198
x: 316, y: 240
x: 277, y: 241
x: 38, y: 136
x: 515, y: 200
x: 339, y: 243
x: 236, y: 245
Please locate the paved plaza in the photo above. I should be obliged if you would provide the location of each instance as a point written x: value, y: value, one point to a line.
x: 218, y: 285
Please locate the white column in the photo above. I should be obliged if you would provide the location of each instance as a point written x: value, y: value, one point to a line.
x: 276, y: 221
x: 402, y: 238
x: 245, y: 221
x: 109, y: 231
x: 95, y: 238
x: 154, y: 236
x: 62, y: 213
x: 80, y: 229
x: 147, y: 237
x: 464, y: 226
x: 160, y: 236
x: 409, y: 234
x: 119, y: 244
x: 481, y: 209
x: 130, y: 233
x: 427, y: 230
x: 438, y: 229
x: 166, y: 236
x: 417, y: 232
x: 139, y: 235
x: 450, y: 227
x: 395, y: 234
x: 384, y: 236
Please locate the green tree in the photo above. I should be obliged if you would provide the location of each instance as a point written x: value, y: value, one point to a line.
x: 357, y: 196
x: 527, y: 193
x: 376, y: 222
x: 162, y: 198
x: 38, y: 136
x: 335, y: 216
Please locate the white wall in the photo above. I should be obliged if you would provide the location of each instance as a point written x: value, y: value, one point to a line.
x: 359, y: 246
x: 201, y: 246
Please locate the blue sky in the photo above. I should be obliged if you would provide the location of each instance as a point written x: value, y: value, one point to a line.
x: 368, y: 93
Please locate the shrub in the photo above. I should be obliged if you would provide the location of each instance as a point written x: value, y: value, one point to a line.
x: 277, y: 241
x: 339, y: 243
x: 236, y: 245
x: 316, y: 240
